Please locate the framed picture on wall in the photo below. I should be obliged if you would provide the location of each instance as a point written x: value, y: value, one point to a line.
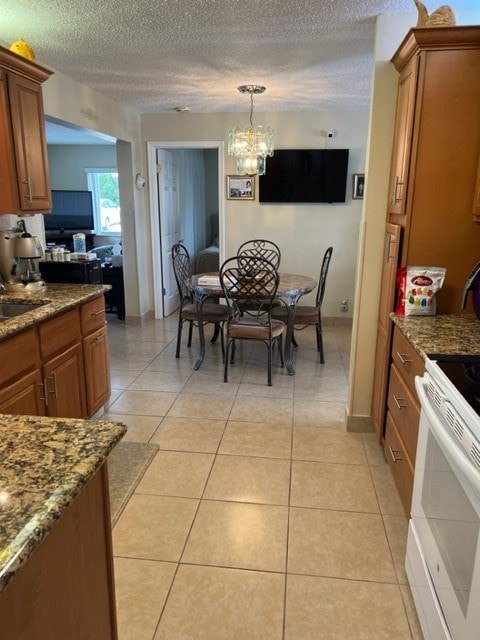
x: 358, y: 186
x: 240, y: 187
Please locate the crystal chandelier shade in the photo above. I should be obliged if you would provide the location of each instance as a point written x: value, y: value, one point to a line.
x: 251, y: 145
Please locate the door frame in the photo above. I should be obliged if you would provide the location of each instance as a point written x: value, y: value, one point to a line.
x: 152, y: 147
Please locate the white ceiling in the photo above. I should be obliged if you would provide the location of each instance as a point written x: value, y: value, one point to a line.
x: 152, y: 57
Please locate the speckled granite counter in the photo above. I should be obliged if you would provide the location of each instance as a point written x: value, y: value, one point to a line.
x: 53, y: 300
x: 45, y: 462
x: 442, y: 334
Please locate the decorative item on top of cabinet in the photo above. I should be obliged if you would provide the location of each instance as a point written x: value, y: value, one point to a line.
x: 24, y: 172
x: 444, y: 16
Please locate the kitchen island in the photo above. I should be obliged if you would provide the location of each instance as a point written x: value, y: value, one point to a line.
x: 56, y: 565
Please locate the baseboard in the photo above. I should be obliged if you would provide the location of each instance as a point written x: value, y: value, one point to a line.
x: 337, y: 321
x: 358, y: 424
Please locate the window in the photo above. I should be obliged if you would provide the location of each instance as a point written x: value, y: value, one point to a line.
x: 103, y: 183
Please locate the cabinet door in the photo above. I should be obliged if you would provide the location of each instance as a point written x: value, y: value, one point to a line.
x: 24, y: 397
x: 97, y: 369
x: 64, y: 377
x: 384, y: 330
x: 476, y: 196
x: 8, y: 177
x: 402, y: 140
x: 28, y: 127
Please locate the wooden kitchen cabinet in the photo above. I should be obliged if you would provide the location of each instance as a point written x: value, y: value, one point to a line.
x: 64, y: 381
x: 476, y: 196
x: 384, y: 327
x: 434, y: 180
x: 96, y: 354
x: 24, y: 171
x: 66, y: 590
x: 63, y: 370
x: 403, y: 416
x: 433, y: 174
x: 402, y: 141
x: 21, y: 382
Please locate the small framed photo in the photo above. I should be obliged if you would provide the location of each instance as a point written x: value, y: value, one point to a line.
x: 358, y: 186
x: 240, y: 187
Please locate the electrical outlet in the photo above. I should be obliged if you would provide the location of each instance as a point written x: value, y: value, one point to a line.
x: 344, y: 306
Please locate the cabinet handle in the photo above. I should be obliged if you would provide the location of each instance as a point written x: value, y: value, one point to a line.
x: 398, y: 402
x: 27, y: 182
x: 396, y: 183
x: 54, y: 378
x: 100, y: 338
x: 45, y: 396
x: 395, y: 454
x: 403, y: 357
x: 390, y: 242
x: 97, y: 313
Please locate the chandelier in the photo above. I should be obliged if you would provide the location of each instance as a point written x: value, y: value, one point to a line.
x: 250, y: 145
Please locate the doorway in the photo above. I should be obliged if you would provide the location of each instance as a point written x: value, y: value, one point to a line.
x: 164, y: 224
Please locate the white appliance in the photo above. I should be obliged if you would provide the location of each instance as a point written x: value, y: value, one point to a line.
x: 443, y: 545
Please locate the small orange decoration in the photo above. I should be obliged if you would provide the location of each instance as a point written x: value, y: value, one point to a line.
x: 23, y: 49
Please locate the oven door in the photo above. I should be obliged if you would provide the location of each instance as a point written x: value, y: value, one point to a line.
x: 445, y: 523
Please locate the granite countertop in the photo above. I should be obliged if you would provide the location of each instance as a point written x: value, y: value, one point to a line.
x: 52, y: 300
x: 45, y: 464
x: 441, y: 334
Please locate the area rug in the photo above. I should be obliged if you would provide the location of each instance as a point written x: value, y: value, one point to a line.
x: 126, y: 465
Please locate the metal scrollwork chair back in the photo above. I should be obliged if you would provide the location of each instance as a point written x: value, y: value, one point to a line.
x: 250, y: 281
x: 307, y: 316
x: 263, y: 248
x: 211, y: 312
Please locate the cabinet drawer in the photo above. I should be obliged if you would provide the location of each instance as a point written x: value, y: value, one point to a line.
x: 19, y: 355
x: 408, y: 362
x: 93, y: 315
x: 405, y: 411
x: 60, y: 332
x: 402, y: 470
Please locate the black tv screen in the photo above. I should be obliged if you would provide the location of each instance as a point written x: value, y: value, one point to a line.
x: 71, y: 211
x: 305, y: 175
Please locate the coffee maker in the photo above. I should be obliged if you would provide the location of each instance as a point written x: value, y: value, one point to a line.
x: 18, y: 252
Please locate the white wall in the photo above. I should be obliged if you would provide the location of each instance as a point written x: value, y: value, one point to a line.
x: 303, y: 232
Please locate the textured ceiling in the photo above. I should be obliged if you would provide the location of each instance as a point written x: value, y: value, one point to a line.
x: 151, y: 57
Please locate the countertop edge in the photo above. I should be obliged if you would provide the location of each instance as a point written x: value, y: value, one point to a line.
x: 17, y: 549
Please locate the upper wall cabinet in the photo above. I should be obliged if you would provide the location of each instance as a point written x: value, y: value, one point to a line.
x: 24, y: 174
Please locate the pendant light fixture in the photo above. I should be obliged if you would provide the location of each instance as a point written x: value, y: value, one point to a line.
x: 250, y: 145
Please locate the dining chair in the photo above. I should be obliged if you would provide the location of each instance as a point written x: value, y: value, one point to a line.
x: 307, y: 316
x: 190, y: 310
x: 253, y: 281
x: 263, y: 248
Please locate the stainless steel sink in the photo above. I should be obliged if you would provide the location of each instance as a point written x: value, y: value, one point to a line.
x: 11, y: 310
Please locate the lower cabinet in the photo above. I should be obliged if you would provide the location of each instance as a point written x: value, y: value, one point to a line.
x: 403, y: 416
x: 64, y: 377
x: 66, y: 589
x: 59, y: 368
x: 25, y: 396
x: 97, y: 370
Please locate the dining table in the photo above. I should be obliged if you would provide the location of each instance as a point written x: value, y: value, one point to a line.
x: 291, y: 288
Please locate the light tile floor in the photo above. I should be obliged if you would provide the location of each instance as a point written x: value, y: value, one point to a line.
x: 259, y: 517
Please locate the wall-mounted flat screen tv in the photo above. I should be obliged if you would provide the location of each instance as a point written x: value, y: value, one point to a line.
x: 305, y: 175
x: 71, y: 211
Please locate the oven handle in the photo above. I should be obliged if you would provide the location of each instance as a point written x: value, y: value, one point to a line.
x: 453, y: 450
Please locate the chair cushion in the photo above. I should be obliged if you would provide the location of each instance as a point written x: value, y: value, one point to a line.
x: 253, y: 330
x: 210, y: 312
x: 303, y: 315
